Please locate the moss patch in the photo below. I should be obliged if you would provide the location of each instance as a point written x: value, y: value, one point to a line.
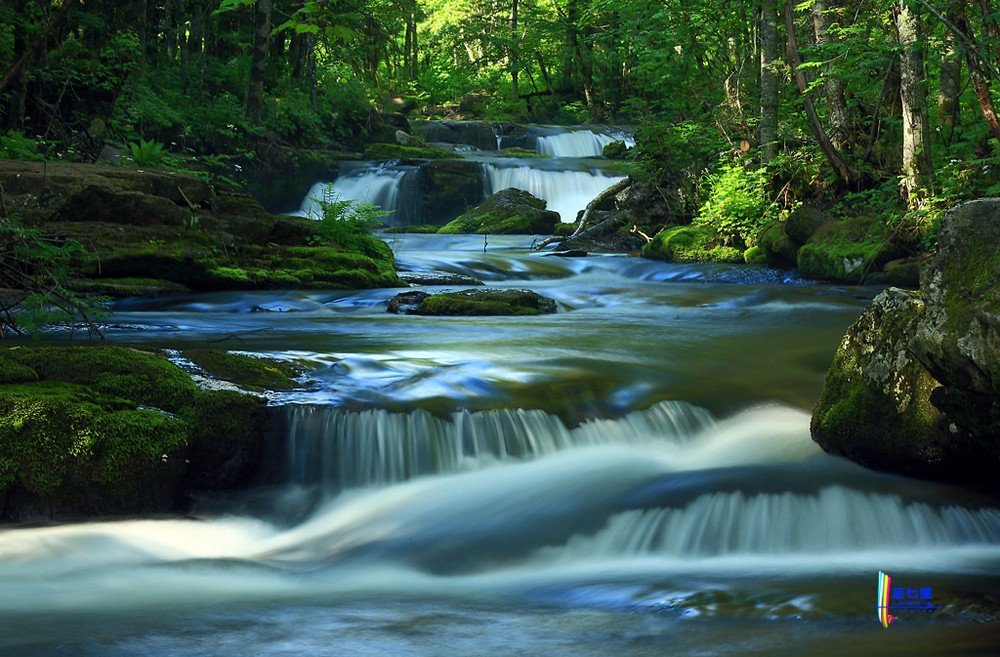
x: 691, y: 244
x: 508, y: 212
x: 482, y: 301
x: 248, y: 372
x: 847, y: 250
x: 106, y: 429
x: 382, y: 151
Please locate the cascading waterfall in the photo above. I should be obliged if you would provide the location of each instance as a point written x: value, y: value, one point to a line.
x: 372, y: 183
x: 576, y: 143
x: 836, y: 519
x: 566, y: 192
x: 338, y: 449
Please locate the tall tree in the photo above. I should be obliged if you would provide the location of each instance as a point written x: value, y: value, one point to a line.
x: 768, y: 80
x: 258, y: 65
x: 917, y: 171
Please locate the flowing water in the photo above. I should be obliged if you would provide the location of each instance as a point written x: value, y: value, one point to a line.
x: 630, y: 476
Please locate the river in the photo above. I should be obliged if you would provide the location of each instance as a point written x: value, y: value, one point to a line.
x: 630, y: 476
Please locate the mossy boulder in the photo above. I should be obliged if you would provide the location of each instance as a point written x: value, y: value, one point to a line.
x: 96, y: 430
x: 779, y: 249
x: 691, y: 244
x: 803, y: 222
x: 510, y: 211
x: 482, y: 301
x: 915, y: 387
x: 876, y: 407
x: 846, y: 251
x: 959, y: 338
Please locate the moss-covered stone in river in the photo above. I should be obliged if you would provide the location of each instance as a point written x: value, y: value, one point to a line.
x: 691, y: 244
x: 481, y: 301
x: 383, y: 151
x: 250, y: 372
x: 510, y: 211
x: 846, y: 250
x: 876, y: 407
x: 105, y: 429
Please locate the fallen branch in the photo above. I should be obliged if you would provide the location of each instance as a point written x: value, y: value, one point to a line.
x: 622, y: 184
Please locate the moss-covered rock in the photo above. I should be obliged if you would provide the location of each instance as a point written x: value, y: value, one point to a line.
x: 106, y: 430
x: 249, y: 372
x: 510, y: 211
x: 847, y: 250
x: 915, y: 387
x: 518, y: 152
x: 779, y: 249
x: 383, y: 151
x: 959, y: 338
x: 803, y: 222
x: 691, y: 244
x: 482, y: 301
x: 203, y: 241
x: 875, y: 406
x: 755, y: 255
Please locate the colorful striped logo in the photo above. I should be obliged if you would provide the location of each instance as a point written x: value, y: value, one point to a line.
x: 884, y: 586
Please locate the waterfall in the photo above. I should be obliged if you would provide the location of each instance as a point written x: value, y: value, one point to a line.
x: 379, y: 184
x: 578, y: 143
x: 340, y: 449
x: 836, y: 519
x: 566, y: 192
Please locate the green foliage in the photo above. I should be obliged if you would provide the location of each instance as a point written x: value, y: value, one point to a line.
x: 146, y: 153
x: 36, y: 272
x: 348, y: 224
x: 15, y: 146
x: 738, y: 204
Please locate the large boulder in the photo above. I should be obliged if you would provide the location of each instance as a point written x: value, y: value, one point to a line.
x: 510, y: 211
x: 958, y: 339
x: 915, y: 385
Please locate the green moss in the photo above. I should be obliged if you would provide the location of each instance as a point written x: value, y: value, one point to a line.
x: 85, y: 435
x: 755, y: 255
x: 383, y: 151
x: 518, y: 152
x: 846, y: 250
x: 691, y: 244
x: 780, y: 249
x: 486, y: 302
x: 508, y: 212
x: 413, y: 229
x: 249, y: 372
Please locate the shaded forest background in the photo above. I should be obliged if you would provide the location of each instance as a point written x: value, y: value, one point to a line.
x: 744, y: 109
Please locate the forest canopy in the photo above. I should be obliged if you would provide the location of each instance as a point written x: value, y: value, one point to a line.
x: 861, y: 106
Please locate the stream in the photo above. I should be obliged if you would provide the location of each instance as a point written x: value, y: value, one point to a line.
x: 630, y: 476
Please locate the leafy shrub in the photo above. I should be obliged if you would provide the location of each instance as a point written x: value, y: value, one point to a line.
x: 146, y: 153
x: 738, y: 203
x: 15, y: 146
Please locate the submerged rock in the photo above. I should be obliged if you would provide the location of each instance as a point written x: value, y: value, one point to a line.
x: 437, y: 278
x: 915, y: 385
x: 483, y: 301
x: 510, y: 211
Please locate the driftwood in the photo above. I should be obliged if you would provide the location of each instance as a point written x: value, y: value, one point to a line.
x: 591, y: 207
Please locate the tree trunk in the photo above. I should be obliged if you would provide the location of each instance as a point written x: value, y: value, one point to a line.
x: 768, y: 80
x: 840, y: 118
x: 513, y: 53
x: 976, y: 76
x: 255, y: 98
x: 917, y: 173
x: 830, y: 150
x: 949, y: 87
x: 585, y: 215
